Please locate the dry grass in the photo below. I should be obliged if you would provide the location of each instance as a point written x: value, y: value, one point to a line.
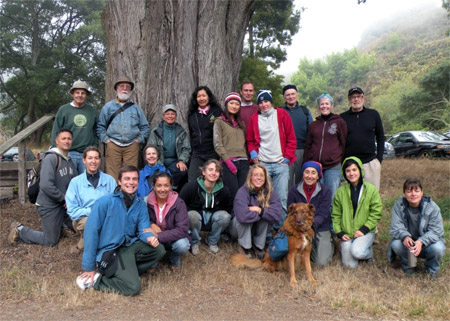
x: 40, y: 281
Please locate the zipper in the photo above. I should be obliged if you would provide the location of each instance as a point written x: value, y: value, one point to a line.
x: 321, y: 144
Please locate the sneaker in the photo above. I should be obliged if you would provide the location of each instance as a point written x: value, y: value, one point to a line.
x: 84, y: 284
x: 13, y: 235
x: 213, y: 248
x: 259, y: 253
x: 433, y: 276
x: 195, y: 249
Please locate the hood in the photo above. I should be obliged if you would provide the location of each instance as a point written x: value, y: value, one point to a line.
x: 55, y: 150
x: 217, y: 187
x: 357, y: 161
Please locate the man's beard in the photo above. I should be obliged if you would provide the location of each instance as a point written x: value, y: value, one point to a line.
x: 123, y: 96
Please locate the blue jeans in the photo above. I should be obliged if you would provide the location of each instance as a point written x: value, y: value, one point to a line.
x: 77, y: 160
x: 356, y: 249
x: 279, y: 173
x: 432, y: 253
x: 220, y: 221
x: 332, y: 179
x: 177, y: 249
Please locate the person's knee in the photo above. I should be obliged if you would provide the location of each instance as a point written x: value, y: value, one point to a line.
x: 195, y: 219
x: 133, y: 288
x: 222, y: 218
x: 359, y: 252
x: 181, y: 246
x: 437, y: 250
x: 397, y: 246
x: 160, y: 252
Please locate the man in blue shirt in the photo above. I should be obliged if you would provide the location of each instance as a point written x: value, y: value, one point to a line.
x: 122, y: 126
x: 301, y: 119
x: 116, y: 248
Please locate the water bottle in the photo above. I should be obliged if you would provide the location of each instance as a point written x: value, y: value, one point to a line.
x: 412, y: 259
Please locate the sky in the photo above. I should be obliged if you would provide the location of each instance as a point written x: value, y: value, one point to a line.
x: 328, y: 26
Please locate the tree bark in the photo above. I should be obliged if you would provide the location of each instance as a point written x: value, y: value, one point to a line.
x: 170, y: 47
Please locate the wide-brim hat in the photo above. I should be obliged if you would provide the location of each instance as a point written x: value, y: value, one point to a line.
x: 79, y: 84
x: 123, y: 79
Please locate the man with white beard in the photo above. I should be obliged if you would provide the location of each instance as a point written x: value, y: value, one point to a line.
x: 122, y: 126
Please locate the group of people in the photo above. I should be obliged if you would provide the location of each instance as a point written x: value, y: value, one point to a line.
x: 233, y: 176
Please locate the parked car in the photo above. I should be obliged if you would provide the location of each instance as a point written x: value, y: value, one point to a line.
x: 12, y: 154
x: 420, y: 143
x: 389, y: 152
x: 447, y: 133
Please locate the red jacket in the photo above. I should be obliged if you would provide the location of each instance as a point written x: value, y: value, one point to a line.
x: 325, y: 141
x: 288, y: 140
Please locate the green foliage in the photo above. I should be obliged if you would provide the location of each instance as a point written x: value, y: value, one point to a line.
x: 271, y: 28
x: 335, y: 74
x: 46, y: 45
x: 429, y: 104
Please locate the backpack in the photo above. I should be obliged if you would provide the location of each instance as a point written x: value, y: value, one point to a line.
x: 279, y: 246
x: 33, y: 178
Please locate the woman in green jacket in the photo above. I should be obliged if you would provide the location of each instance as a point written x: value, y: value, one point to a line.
x: 355, y: 214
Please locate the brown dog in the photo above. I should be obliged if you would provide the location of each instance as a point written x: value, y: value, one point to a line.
x: 298, y: 227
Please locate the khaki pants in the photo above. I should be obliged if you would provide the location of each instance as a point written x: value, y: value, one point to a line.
x: 79, y: 227
x: 372, y: 172
x: 118, y: 156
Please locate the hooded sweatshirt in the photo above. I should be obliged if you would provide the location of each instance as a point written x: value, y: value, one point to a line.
x: 55, y: 176
x: 368, y: 211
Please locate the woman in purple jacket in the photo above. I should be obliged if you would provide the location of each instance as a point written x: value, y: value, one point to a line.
x: 325, y: 142
x: 256, y: 208
x: 311, y: 191
x: 169, y: 218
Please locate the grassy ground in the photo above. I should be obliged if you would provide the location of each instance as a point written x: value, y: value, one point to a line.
x: 38, y: 282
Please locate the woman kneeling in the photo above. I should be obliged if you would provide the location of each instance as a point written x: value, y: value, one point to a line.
x: 169, y: 218
x: 256, y: 207
x: 355, y: 214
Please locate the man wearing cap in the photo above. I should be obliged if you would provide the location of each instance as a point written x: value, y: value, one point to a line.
x: 174, y: 145
x: 364, y: 127
x: 122, y: 126
x: 271, y: 142
x: 248, y: 108
x: 81, y: 119
x: 301, y: 119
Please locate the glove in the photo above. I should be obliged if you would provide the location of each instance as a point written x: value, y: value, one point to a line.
x: 253, y: 154
x: 231, y: 166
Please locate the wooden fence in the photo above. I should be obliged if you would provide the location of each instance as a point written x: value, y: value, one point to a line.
x: 10, y: 170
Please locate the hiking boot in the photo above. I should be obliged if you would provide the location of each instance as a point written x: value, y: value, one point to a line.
x: 195, y: 249
x: 13, y: 235
x: 213, y: 248
x: 67, y: 232
x: 175, y: 269
x: 245, y: 252
x: 84, y: 284
x: 410, y: 272
x: 259, y: 253
x: 433, y: 276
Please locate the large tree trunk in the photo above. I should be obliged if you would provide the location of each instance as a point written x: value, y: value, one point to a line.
x: 170, y: 47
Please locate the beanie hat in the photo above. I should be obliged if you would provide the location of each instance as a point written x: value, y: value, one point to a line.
x: 325, y: 95
x: 232, y: 96
x: 289, y: 87
x: 264, y: 94
x: 316, y: 165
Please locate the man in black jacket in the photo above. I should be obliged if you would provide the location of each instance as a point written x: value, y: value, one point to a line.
x: 364, y: 127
